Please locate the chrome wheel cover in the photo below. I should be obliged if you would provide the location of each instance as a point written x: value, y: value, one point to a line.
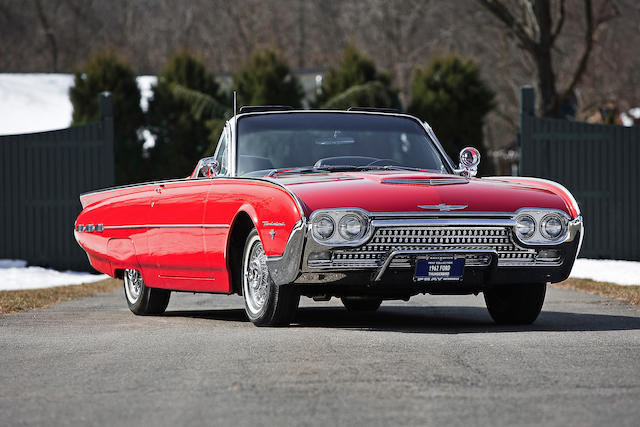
x: 133, y: 285
x: 256, y: 277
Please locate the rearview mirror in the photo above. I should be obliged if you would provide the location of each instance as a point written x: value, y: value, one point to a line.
x: 469, y: 161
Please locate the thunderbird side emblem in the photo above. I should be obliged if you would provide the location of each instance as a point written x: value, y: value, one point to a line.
x: 443, y: 207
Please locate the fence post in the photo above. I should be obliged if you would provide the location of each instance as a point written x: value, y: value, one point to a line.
x: 106, y: 118
x: 527, y: 113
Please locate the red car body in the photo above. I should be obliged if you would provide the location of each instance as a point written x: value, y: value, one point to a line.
x: 188, y: 234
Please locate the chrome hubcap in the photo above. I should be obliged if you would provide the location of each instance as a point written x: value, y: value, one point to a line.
x: 133, y: 284
x: 256, y: 278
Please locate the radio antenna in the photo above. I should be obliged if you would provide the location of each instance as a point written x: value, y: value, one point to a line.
x: 235, y: 103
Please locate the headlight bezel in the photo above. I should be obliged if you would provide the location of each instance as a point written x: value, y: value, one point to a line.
x: 339, y: 216
x: 540, y: 236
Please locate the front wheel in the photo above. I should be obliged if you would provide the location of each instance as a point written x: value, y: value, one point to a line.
x: 515, y: 304
x: 141, y: 299
x: 265, y: 303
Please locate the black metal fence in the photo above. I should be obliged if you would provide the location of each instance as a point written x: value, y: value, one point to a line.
x: 42, y: 176
x: 599, y: 165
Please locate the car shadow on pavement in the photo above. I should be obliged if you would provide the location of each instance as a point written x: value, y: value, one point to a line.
x: 440, y: 319
x: 455, y: 320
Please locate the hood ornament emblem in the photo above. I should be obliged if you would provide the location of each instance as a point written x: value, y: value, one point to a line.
x: 443, y: 207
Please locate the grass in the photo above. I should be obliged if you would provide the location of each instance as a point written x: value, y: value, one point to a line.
x: 30, y: 299
x: 630, y: 294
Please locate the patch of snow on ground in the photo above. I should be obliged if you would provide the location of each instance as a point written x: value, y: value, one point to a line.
x: 33, y: 102
x: 15, y: 275
x: 603, y: 270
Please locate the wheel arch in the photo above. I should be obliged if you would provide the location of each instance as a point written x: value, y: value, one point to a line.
x: 241, y: 226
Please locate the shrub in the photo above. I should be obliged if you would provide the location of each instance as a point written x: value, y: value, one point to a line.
x: 451, y: 96
x: 267, y: 80
x: 185, y: 100
x: 105, y: 71
x: 355, y: 82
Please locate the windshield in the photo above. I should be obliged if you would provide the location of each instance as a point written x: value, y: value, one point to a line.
x: 271, y: 142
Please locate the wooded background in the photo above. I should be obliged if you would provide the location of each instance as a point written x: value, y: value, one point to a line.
x: 58, y: 36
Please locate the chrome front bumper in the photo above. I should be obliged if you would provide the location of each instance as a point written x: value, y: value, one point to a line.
x: 395, y: 244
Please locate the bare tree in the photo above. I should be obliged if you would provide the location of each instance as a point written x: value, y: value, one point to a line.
x: 531, y: 23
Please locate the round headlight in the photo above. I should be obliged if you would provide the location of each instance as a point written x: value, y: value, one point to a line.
x: 525, y: 226
x: 552, y: 227
x: 350, y: 227
x: 323, y: 227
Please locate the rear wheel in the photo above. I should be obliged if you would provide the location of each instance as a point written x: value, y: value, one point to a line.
x: 141, y: 299
x: 265, y: 303
x: 361, y: 304
x: 515, y: 304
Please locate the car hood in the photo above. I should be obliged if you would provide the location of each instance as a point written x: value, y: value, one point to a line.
x: 391, y: 191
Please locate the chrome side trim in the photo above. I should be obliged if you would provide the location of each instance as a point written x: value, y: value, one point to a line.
x: 285, y: 268
x: 380, y: 272
x: 121, y: 227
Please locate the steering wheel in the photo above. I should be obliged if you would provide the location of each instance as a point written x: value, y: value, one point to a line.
x: 385, y: 162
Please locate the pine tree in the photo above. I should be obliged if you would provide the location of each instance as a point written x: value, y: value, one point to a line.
x: 355, y: 82
x: 267, y: 80
x: 451, y: 96
x: 180, y: 117
x: 105, y: 71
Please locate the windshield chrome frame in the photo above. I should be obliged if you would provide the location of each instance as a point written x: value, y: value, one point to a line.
x: 233, y: 127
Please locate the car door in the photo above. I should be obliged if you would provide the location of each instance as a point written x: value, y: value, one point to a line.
x: 175, y: 236
x: 218, y: 214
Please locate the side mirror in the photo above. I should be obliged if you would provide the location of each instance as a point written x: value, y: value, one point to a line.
x: 209, y: 167
x: 469, y: 161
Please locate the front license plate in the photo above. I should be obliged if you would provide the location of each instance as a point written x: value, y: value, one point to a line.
x: 439, y: 268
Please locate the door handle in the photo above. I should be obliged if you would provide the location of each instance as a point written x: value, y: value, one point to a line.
x: 158, y: 190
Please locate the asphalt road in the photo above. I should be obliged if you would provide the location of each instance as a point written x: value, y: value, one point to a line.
x: 432, y: 361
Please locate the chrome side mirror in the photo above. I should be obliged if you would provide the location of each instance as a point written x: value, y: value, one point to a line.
x: 469, y: 161
x: 208, y: 167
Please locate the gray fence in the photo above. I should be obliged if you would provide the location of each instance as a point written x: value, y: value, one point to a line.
x: 599, y: 165
x: 42, y: 176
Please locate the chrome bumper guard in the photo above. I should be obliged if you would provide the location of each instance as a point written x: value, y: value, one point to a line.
x: 380, y: 272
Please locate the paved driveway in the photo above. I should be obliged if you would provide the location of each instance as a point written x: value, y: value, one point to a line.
x: 436, y: 360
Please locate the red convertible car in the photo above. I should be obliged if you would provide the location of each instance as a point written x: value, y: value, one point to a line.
x: 363, y: 205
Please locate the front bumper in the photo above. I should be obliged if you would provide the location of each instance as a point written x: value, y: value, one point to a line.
x: 493, y: 257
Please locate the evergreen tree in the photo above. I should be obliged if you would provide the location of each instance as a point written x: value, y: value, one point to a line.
x: 180, y: 117
x: 450, y: 95
x: 105, y: 71
x: 355, y: 82
x: 267, y: 80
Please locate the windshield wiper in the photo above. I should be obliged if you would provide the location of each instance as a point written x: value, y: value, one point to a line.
x: 392, y: 167
x: 342, y: 168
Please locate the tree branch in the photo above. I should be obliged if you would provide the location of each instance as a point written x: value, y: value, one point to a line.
x: 48, y: 32
x: 590, y: 35
x: 500, y: 11
x: 558, y: 27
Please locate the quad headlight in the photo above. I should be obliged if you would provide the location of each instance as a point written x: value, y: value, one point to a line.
x: 539, y: 227
x: 525, y: 226
x: 323, y: 227
x: 552, y: 226
x: 339, y: 226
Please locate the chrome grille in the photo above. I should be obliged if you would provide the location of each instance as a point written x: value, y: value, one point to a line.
x: 389, y: 239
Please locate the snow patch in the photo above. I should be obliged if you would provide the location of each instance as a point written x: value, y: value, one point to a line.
x: 603, y: 270
x: 40, y: 102
x: 15, y: 275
